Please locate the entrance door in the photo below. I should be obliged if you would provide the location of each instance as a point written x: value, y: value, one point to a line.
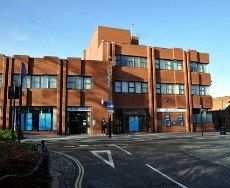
x: 133, y: 123
x: 77, y: 122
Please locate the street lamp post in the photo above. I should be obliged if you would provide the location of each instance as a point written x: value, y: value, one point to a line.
x: 109, y: 95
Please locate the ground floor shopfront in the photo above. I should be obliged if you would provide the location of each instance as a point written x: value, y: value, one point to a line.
x: 81, y: 120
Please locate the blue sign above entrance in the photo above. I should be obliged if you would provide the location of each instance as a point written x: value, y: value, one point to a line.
x: 110, y: 106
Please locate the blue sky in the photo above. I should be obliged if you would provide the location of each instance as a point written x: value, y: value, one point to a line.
x: 64, y: 28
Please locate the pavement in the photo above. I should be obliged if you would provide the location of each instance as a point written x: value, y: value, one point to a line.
x: 62, y: 168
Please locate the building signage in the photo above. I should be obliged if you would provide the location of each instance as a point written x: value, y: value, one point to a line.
x: 110, y: 106
x: 78, y: 109
x: 170, y: 110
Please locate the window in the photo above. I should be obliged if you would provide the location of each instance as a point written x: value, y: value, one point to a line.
x: 79, y: 82
x: 181, y: 89
x: 143, y: 62
x: 118, y: 60
x: 87, y: 83
x: 117, y: 87
x: 70, y: 82
x: 157, y: 63
x: 35, y: 81
x: 170, y: 89
x: 193, y: 67
x: 32, y: 81
x: 164, y: 64
x: 124, y: 61
x: 138, y: 87
x: 44, y: 82
x: 137, y: 62
x: 178, y: 65
x: 53, y: 81
x: 198, y: 67
x: 131, y: 87
x: 124, y: 87
x: 168, y: 65
x: 158, y: 88
x: 200, y: 90
x: 0, y: 80
x: 131, y: 61
x: 144, y: 87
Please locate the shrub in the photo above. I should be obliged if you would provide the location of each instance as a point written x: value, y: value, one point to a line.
x: 18, y: 160
x: 7, y: 134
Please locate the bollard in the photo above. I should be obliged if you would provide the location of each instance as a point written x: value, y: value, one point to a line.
x: 223, y: 131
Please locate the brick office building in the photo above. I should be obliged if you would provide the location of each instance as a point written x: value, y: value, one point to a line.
x: 153, y: 89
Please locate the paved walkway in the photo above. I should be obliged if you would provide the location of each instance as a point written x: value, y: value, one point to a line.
x: 62, y: 169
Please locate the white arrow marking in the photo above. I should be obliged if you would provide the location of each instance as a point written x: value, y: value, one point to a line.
x: 110, y: 161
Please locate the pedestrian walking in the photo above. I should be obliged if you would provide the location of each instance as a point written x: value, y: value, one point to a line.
x: 103, y: 126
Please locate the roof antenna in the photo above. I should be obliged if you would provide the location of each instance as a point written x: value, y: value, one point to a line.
x: 132, y: 31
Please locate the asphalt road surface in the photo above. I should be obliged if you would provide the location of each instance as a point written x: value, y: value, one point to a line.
x: 104, y: 163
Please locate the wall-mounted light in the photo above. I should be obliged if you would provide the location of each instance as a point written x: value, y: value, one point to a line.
x: 102, y: 102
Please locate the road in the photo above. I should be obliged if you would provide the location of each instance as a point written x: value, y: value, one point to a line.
x: 134, y: 163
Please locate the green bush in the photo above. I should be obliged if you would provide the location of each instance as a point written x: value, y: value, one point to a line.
x: 7, y: 134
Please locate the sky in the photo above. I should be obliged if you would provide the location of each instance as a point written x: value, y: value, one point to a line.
x: 64, y: 28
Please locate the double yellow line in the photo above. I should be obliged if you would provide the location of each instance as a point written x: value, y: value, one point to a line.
x: 78, y: 183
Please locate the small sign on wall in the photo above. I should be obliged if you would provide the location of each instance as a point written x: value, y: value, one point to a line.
x: 94, y: 123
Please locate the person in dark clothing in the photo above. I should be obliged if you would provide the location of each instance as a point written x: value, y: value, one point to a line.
x: 103, y: 126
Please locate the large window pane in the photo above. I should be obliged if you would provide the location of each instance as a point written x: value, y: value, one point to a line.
x: 158, y: 88
x: 163, y: 88
x: 44, y: 81
x: 124, y: 61
x: 168, y: 65
x: 117, y: 86
x: 157, y: 63
x: 137, y: 62
x: 118, y: 60
x: 53, y: 81
x: 124, y: 87
x: 79, y: 82
x: 87, y: 83
x: 169, y: 89
x: 144, y: 87
x: 143, y: 62
x: 70, y: 82
x: 137, y: 87
x: 181, y: 89
x: 26, y: 83
x: 131, y: 87
x: 35, y: 81
x: 130, y: 62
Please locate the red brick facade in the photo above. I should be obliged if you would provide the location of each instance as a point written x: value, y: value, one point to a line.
x: 111, y: 42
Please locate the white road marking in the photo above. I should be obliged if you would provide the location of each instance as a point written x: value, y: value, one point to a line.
x: 110, y: 161
x: 166, y: 176
x: 83, y: 145
x: 123, y: 149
